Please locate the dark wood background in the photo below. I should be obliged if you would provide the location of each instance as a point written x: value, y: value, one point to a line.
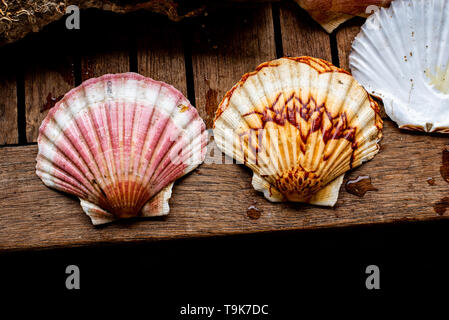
x: 203, y: 57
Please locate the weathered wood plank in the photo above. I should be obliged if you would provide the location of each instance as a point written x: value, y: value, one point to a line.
x: 301, y: 35
x: 224, y: 47
x: 104, y: 44
x: 44, y: 86
x: 8, y: 99
x: 49, y: 74
x: 160, y: 51
x: 214, y: 199
x: 345, y: 36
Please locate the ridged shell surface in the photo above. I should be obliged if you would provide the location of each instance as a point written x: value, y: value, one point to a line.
x: 118, y: 143
x: 402, y: 56
x: 299, y: 124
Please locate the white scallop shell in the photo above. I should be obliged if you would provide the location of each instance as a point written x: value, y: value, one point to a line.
x: 402, y: 56
x: 118, y: 143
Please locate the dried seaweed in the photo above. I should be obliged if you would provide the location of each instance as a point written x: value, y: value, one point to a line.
x: 20, y: 17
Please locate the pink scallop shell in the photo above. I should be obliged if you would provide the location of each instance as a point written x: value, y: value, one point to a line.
x: 118, y: 142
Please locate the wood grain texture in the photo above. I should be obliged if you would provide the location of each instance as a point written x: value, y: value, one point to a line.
x: 44, y: 86
x: 224, y: 47
x: 8, y: 99
x: 160, y: 51
x: 301, y: 35
x: 48, y: 74
x: 104, y: 44
x: 345, y: 35
x: 213, y: 200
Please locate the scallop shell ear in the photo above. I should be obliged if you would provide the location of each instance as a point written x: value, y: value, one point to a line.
x: 328, y: 196
x: 118, y: 143
x: 299, y: 124
x: 157, y: 206
x: 401, y: 56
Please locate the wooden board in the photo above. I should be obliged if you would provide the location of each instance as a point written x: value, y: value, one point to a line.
x: 203, y: 58
x: 301, y: 35
x: 104, y: 44
x: 8, y: 99
x: 345, y: 35
x: 160, y: 51
x: 226, y: 46
x: 214, y: 199
x: 48, y: 74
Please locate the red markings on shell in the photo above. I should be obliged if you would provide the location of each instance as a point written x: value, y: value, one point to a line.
x: 290, y: 112
x: 320, y: 65
x: 299, y: 124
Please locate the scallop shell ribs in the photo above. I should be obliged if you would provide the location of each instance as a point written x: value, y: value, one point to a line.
x: 299, y: 124
x: 402, y: 56
x: 118, y: 143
